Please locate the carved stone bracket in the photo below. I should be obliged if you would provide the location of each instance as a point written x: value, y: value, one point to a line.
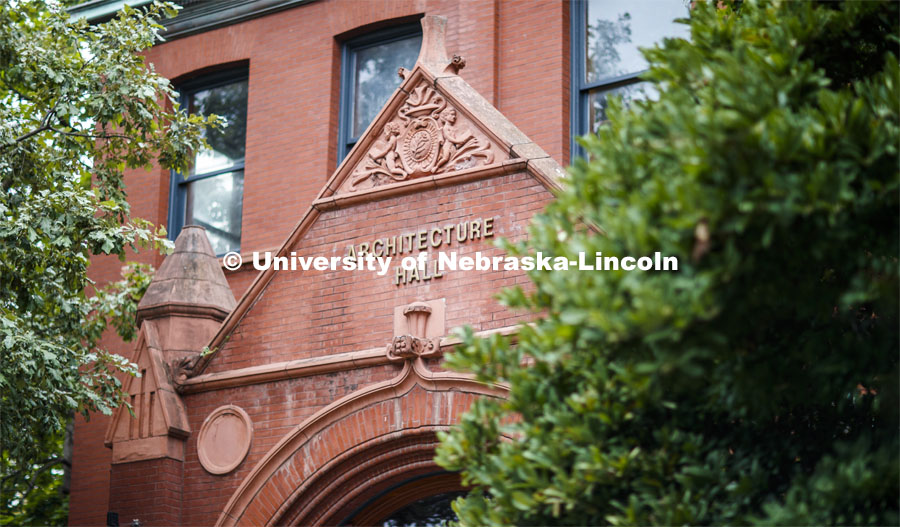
x: 414, y: 344
x: 181, y: 369
x: 456, y: 64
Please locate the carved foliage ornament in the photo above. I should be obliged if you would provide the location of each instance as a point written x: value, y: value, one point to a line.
x: 405, y: 347
x: 425, y: 138
x: 183, y: 368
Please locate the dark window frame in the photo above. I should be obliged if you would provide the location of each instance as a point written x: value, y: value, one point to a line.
x: 349, y: 49
x: 177, y: 182
x: 581, y: 89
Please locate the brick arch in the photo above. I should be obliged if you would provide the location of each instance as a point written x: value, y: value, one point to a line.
x: 353, y: 447
x: 345, y: 487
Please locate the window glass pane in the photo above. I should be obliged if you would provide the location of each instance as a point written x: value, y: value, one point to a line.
x: 215, y: 203
x: 226, y: 143
x: 375, y: 77
x: 598, y: 100
x: 617, y: 28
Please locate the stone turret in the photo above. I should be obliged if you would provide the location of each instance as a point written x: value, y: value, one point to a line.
x: 180, y: 312
x: 189, y: 296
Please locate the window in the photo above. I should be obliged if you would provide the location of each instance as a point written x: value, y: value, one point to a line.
x: 369, y: 76
x: 211, y: 194
x: 606, y: 35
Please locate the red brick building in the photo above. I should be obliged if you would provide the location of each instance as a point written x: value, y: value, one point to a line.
x: 314, y: 396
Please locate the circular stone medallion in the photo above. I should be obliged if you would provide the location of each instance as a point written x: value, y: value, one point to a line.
x: 421, y: 145
x: 224, y: 439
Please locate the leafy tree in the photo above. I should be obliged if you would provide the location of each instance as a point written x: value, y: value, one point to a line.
x: 79, y: 106
x: 758, y: 384
x: 36, y: 494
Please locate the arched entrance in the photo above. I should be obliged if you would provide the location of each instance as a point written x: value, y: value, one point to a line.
x: 419, y: 500
x: 357, y: 460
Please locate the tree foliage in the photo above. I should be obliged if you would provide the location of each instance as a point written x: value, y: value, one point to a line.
x: 79, y: 106
x: 758, y: 384
x: 35, y: 493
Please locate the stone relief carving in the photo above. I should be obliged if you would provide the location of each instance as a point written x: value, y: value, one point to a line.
x: 425, y: 138
x: 410, y: 347
x: 181, y: 369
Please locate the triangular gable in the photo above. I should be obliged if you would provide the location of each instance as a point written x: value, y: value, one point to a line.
x: 425, y: 135
x: 434, y: 123
x: 415, y: 142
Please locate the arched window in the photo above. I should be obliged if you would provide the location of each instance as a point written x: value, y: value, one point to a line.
x: 433, y: 511
x: 423, y: 500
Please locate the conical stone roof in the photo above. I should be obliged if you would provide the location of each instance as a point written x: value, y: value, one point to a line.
x: 189, y: 282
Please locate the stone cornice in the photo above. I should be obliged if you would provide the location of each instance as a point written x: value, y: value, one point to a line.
x: 196, y: 16
x: 182, y: 309
x: 404, y: 188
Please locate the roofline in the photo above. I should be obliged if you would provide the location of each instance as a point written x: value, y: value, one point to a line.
x: 191, y: 19
x: 100, y: 10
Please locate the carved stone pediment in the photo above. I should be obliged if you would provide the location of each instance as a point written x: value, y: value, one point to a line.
x: 427, y: 136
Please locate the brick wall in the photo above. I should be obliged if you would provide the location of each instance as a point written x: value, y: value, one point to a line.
x: 149, y: 491
x: 275, y: 409
x: 517, y: 57
x: 305, y: 314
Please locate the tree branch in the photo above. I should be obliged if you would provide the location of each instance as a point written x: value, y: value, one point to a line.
x: 45, y: 125
x: 34, y: 477
x: 90, y: 136
x: 30, y: 134
x: 49, y: 462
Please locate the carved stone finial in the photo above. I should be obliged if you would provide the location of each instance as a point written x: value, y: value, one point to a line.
x: 189, y: 282
x: 433, y: 55
x: 402, y: 72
